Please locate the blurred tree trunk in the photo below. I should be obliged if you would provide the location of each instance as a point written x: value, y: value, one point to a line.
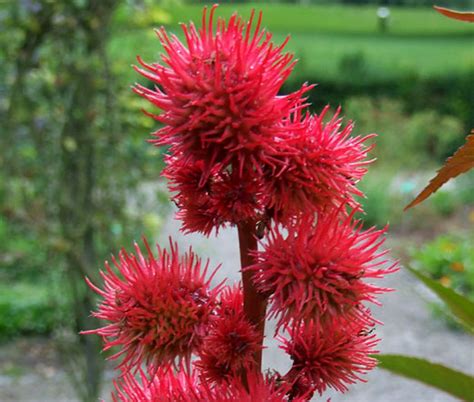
x: 78, y: 140
x: 76, y: 213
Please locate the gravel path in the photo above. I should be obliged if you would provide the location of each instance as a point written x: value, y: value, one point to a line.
x: 409, y: 329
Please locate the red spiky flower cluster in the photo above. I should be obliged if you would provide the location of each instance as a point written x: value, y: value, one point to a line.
x: 320, y: 268
x: 239, y: 151
x: 242, y: 154
x: 231, y: 342
x: 182, y: 386
x: 328, y: 355
x: 157, y: 308
x: 219, y: 92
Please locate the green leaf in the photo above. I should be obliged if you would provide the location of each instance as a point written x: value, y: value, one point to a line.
x: 436, y: 375
x: 459, y: 305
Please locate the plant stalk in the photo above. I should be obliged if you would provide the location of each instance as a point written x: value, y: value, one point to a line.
x: 255, y: 304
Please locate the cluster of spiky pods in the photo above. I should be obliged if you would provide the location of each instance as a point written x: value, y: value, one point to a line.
x: 241, y: 154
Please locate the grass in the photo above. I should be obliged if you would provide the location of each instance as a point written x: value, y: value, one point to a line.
x: 289, y: 19
x: 320, y: 54
x: 419, y: 40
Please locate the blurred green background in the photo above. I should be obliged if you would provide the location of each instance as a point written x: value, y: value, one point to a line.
x: 76, y: 171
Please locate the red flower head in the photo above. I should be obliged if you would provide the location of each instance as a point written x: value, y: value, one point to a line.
x: 237, y: 198
x: 332, y: 355
x: 320, y: 268
x: 157, y: 308
x: 317, y: 166
x: 159, y: 385
x: 224, y: 197
x: 192, y: 195
x: 168, y: 386
x: 229, y: 347
x: 218, y: 92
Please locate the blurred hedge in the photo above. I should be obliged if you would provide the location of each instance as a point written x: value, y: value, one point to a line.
x: 27, y: 309
x: 451, y: 94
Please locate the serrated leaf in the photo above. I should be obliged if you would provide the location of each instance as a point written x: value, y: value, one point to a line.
x: 454, y: 382
x: 460, y: 306
x: 456, y: 15
x: 460, y: 162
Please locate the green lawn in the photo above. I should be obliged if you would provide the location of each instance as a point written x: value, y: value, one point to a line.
x: 419, y: 40
x: 323, y: 18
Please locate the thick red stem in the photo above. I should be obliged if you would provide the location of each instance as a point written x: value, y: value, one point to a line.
x: 255, y: 304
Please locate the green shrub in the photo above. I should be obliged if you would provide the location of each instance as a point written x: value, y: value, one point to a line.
x: 388, y: 191
x: 448, y: 94
x: 448, y: 259
x: 354, y: 64
x: 381, y: 205
x: 409, y: 141
x: 22, y: 255
x: 436, y: 136
x: 27, y: 309
x: 465, y: 185
x: 445, y: 202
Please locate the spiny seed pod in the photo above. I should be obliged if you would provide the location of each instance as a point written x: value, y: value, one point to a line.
x: 157, y: 308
